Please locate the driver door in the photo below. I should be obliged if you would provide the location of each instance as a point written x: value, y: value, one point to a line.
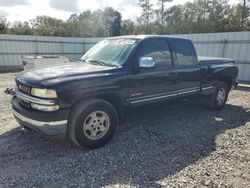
x: 153, y: 83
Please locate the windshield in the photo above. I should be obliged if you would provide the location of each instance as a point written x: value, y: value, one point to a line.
x: 112, y: 52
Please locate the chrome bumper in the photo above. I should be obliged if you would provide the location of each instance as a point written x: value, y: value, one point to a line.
x: 53, y: 128
x: 34, y: 99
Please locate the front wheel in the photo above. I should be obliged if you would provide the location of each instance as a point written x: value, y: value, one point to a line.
x: 219, y: 98
x: 92, y: 123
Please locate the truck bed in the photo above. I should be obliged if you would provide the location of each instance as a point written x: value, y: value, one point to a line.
x: 205, y: 60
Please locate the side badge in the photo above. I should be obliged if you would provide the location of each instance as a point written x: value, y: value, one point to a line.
x: 136, y: 94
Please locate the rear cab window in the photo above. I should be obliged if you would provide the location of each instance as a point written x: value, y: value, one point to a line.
x: 184, y: 52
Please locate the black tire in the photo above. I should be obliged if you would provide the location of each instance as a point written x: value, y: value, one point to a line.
x: 212, y: 101
x: 83, y: 110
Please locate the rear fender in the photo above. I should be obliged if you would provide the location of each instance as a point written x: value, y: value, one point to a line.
x: 223, y: 71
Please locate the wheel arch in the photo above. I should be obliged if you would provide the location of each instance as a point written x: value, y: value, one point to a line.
x: 228, y: 80
x: 226, y: 75
x: 111, y: 98
x: 78, y: 104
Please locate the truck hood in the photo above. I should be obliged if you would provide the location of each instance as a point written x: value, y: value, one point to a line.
x: 55, y: 74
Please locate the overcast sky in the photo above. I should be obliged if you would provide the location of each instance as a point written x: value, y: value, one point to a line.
x: 24, y: 10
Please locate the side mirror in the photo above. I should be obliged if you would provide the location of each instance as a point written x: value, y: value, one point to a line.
x: 147, y: 62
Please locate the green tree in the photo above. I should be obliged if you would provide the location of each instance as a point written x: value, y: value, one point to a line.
x: 218, y: 13
x: 161, y: 14
x: 127, y: 27
x: 198, y: 16
x: 233, y: 22
x: 3, y: 24
x: 190, y: 18
x: 99, y: 29
x: 174, y: 19
x: 47, y: 26
x: 112, y: 20
x: 245, y: 13
x: 20, y: 28
x: 146, y: 16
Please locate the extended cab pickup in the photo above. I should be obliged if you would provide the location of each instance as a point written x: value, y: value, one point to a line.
x: 84, y: 100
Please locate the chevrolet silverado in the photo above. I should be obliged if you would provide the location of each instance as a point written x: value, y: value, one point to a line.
x: 84, y: 101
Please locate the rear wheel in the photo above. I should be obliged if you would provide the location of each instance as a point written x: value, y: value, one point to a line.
x: 92, y: 123
x: 218, y: 99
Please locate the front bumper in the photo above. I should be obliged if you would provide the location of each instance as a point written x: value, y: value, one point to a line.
x: 47, y: 123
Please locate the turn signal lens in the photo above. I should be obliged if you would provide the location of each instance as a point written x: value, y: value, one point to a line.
x: 44, y: 107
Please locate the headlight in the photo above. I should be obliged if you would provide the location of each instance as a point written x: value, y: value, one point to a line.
x: 43, y: 93
x: 44, y: 108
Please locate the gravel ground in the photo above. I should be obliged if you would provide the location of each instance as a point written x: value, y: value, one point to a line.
x: 178, y: 146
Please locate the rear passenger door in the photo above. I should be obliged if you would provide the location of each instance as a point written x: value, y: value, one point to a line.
x: 187, y: 67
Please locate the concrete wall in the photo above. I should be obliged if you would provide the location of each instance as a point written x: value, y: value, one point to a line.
x: 234, y: 45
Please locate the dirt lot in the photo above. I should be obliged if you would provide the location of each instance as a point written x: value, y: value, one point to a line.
x: 183, y: 146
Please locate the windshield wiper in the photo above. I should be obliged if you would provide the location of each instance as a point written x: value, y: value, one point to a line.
x: 99, y: 62
x: 82, y: 61
x: 96, y: 61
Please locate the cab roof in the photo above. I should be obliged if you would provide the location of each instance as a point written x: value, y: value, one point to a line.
x: 146, y: 36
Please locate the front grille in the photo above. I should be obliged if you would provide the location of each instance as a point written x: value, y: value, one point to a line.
x: 26, y: 90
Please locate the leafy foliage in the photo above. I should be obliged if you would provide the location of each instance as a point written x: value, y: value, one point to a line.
x: 3, y: 24
x: 146, y: 16
x: 200, y: 16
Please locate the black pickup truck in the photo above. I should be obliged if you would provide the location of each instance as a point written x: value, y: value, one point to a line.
x: 84, y: 101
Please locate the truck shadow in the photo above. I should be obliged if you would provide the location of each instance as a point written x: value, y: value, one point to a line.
x: 151, y: 144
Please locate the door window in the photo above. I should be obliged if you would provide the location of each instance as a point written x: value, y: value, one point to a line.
x: 159, y: 50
